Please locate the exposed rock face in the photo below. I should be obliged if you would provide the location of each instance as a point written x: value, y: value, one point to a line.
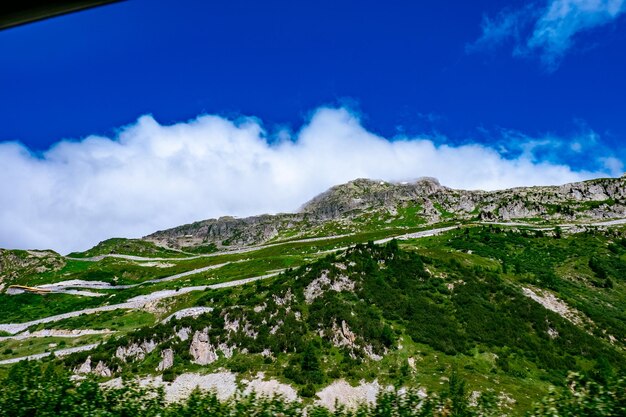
x: 343, y: 336
x: 369, y: 351
x: 135, y: 351
x: 225, y: 231
x: 101, y: 369
x: 364, y: 194
x: 183, y: 333
x: 223, y: 384
x: 226, y: 350
x: 231, y: 325
x: 552, y: 333
x: 167, y: 360
x: 589, y: 200
x: 188, y: 312
x: 552, y: 303
x: 283, y: 301
x: 85, y: 368
x: 318, y: 286
x: 341, y: 392
x: 201, y: 350
x: 249, y: 331
x: 270, y: 388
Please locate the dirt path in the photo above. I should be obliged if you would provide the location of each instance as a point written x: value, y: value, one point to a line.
x: 65, y: 286
x: 133, y: 303
x: 418, y: 235
x: 58, y: 353
x: 615, y: 222
x: 207, y: 255
x: 316, y: 239
x: 188, y: 312
x: 56, y: 333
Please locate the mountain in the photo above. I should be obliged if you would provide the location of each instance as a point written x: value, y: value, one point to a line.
x: 369, y: 285
x: 363, y: 204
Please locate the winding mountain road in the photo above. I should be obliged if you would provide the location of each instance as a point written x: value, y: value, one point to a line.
x: 65, y: 286
x: 142, y: 300
x: 133, y: 303
x: 58, y: 353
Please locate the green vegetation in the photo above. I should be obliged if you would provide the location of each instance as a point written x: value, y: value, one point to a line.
x: 133, y: 247
x: 117, y: 320
x: 445, y: 307
x: 448, y: 304
x: 587, y: 269
x: 25, y: 307
x: 32, y: 390
x: 201, y: 249
x: 11, y: 348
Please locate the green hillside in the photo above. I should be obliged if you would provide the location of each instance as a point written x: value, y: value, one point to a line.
x: 367, y: 303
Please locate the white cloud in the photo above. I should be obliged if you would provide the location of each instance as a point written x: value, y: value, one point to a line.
x: 614, y: 165
x: 506, y: 26
x: 582, y: 147
x: 152, y: 177
x: 554, y: 32
x: 549, y: 30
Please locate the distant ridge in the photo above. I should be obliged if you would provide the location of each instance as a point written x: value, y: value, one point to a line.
x: 364, y: 204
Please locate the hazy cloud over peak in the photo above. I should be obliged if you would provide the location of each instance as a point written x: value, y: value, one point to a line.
x: 151, y: 176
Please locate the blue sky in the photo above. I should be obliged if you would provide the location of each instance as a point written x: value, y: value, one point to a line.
x: 539, y: 83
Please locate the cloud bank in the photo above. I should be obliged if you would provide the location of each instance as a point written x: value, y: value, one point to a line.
x: 547, y: 30
x: 150, y: 177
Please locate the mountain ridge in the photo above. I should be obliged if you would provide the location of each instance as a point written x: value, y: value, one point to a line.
x: 361, y: 203
x: 371, y: 284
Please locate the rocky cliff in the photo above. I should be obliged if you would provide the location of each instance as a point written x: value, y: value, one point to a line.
x: 365, y: 204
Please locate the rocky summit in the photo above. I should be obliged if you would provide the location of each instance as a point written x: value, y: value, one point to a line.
x: 374, y: 296
x: 366, y: 204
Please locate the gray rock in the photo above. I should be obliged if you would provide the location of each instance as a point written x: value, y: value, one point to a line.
x: 201, y: 350
x: 603, y: 198
x: 135, y: 351
x: 167, y: 360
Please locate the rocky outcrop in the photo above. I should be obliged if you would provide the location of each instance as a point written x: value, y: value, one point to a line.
x: 167, y: 360
x: 231, y: 325
x: 85, y: 368
x: 183, y: 333
x: 285, y: 300
x: 135, y: 351
x: 225, y: 231
x: 201, y: 350
x: 369, y: 352
x: 226, y: 350
x: 269, y: 388
x: 318, y: 286
x: 100, y: 369
x: 342, y: 336
x: 552, y: 303
x: 363, y: 194
x: 223, y: 384
x: 188, y: 312
x: 352, y: 204
x: 341, y: 392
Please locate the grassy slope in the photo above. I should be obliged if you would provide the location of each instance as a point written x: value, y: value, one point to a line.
x: 134, y: 247
x: 484, y: 326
